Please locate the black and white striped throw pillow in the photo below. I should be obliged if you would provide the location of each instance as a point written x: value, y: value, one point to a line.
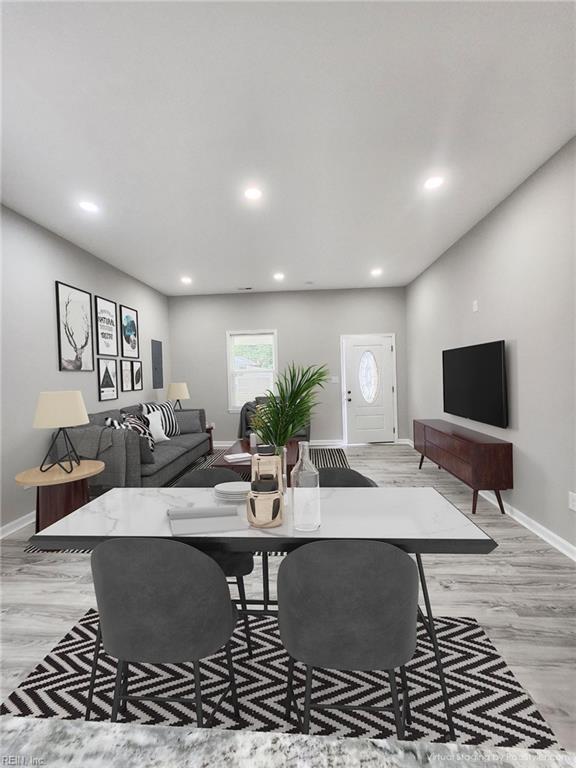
x: 169, y: 423
x: 138, y: 424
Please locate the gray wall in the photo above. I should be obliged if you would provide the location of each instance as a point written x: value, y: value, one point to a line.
x: 33, y: 258
x: 519, y: 264
x: 309, y: 325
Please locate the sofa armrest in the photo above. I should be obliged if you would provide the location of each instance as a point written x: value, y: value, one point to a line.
x: 119, y: 449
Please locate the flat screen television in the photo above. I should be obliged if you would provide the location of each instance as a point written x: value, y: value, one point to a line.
x: 475, y: 383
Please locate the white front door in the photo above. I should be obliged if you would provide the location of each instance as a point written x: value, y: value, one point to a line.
x: 369, y: 388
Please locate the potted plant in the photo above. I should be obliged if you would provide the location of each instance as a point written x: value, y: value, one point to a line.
x: 287, y: 411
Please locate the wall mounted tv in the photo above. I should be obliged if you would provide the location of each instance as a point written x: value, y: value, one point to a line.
x: 475, y: 383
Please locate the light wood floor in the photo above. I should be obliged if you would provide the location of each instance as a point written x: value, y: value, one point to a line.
x: 523, y: 593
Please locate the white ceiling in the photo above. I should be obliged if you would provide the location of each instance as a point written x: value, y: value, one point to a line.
x: 163, y: 112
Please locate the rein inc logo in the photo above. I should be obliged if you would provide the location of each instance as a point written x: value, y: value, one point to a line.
x: 21, y: 760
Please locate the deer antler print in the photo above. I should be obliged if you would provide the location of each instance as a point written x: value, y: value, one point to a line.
x: 75, y: 364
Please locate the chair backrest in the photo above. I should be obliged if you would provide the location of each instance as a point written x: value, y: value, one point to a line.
x: 344, y: 477
x: 208, y: 478
x: 349, y: 605
x: 160, y: 600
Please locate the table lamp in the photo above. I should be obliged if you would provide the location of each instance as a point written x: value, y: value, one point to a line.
x: 58, y: 410
x: 178, y: 391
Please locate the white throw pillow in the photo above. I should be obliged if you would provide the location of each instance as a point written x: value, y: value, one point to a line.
x: 155, y: 420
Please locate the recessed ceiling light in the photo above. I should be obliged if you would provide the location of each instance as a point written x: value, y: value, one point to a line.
x: 376, y: 272
x: 279, y: 276
x: 89, y: 207
x: 434, y: 182
x: 186, y: 280
x: 253, y: 193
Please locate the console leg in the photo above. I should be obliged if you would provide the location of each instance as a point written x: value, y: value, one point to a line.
x: 421, y: 461
x: 500, y: 504
x: 474, y: 502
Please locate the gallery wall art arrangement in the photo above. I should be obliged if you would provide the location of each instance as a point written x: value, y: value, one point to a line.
x: 116, y: 331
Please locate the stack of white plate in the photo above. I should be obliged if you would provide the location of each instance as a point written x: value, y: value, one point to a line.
x: 232, y: 491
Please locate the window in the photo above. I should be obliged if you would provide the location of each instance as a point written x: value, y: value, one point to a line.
x: 252, y: 365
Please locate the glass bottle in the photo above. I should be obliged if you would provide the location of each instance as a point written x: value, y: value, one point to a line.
x: 305, y: 482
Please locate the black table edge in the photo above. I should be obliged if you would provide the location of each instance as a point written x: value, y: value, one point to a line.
x: 275, y: 543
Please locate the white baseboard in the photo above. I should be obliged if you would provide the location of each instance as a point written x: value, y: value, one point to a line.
x: 540, y: 530
x: 405, y: 441
x: 327, y: 444
x: 223, y: 443
x: 16, y: 525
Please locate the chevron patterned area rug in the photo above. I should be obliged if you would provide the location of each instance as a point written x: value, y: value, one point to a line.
x: 321, y: 457
x: 490, y: 706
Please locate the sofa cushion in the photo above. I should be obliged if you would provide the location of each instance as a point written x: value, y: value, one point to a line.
x: 133, y: 410
x: 188, y: 421
x: 164, y: 454
x: 100, y: 418
x: 169, y: 423
x: 189, y: 441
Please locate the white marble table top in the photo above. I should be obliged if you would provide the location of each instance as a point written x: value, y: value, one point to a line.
x: 53, y: 743
x: 418, y: 519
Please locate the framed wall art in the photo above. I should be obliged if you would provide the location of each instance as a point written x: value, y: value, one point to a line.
x: 129, y: 332
x: 126, y: 375
x: 107, y: 379
x: 74, y: 318
x: 106, y: 327
x: 137, y: 375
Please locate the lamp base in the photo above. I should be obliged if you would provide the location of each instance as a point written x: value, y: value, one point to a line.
x: 65, y: 462
x: 177, y: 405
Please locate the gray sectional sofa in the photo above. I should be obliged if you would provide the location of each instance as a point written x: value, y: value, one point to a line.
x: 129, y: 462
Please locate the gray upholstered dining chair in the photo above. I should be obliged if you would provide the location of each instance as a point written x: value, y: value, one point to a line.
x: 160, y: 602
x: 235, y: 565
x: 361, y: 615
x: 344, y: 477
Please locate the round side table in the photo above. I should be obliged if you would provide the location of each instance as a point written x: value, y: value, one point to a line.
x: 57, y: 492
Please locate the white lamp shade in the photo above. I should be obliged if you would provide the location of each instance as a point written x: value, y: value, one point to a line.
x: 60, y: 409
x: 178, y: 391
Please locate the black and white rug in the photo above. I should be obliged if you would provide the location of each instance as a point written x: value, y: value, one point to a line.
x: 490, y: 707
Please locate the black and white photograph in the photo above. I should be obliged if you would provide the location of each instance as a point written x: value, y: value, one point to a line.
x: 107, y: 379
x: 137, y: 375
x: 129, y: 332
x: 106, y: 327
x: 74, y: 316
x: 126, y: 375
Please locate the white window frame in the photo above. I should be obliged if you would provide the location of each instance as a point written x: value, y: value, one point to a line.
x: 229, y: 348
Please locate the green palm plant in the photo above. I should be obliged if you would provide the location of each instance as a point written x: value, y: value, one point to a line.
x: 288, y: 411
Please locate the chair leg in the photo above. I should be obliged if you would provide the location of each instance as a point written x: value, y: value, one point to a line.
x: 289, y: 687
x: 198, y: 694
x: 124, y: 703
x: 396, y: 704
x: 233, y: 689
x: 406, y: 713
x: 432, y: 634
x: 265, y: 580
x: 117, y: 690
x: 93, y: 673
x: 245, y: 617
x: 307, y: 700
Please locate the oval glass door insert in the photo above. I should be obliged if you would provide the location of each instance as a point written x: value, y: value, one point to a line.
x: 368, y: 376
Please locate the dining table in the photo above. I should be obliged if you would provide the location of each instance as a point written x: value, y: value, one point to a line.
x: 418, y: 520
